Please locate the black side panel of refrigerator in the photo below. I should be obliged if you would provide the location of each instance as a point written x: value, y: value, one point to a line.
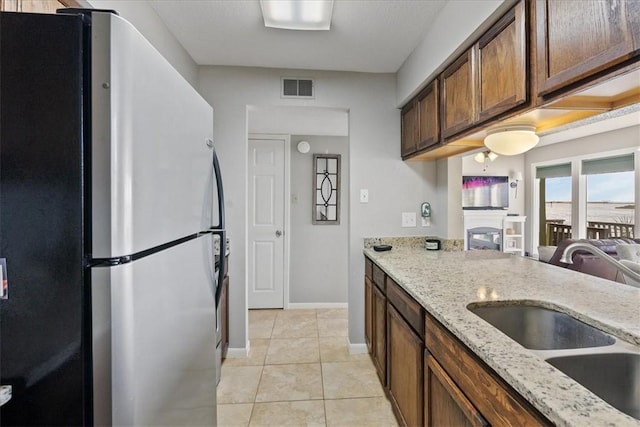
x: 41, y: 220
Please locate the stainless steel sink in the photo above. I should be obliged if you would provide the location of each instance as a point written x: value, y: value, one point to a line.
x: 539, y: 328
x: 614, y: 377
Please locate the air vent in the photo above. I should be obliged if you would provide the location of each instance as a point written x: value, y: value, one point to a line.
x: 297, y: 88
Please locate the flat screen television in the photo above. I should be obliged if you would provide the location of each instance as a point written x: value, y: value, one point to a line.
x: 485, y: 192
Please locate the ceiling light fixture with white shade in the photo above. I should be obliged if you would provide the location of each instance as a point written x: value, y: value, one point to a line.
x: 297, y: 14
x: 511, y: 139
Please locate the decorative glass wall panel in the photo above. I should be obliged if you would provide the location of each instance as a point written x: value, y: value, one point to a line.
x: 326, y: 189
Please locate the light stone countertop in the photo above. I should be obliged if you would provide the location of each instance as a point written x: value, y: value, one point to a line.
x: 444, y: 283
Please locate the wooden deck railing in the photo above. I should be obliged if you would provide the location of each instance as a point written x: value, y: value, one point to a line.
x: 557, y: 231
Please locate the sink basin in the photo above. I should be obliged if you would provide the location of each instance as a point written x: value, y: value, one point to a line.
x: 539, y: 328
x: 614, y: 377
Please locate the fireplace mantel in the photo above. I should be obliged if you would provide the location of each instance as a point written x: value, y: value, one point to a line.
x: 482, y: 218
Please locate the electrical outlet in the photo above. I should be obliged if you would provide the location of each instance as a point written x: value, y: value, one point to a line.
x: 364, y: 195
x: 408, y: 219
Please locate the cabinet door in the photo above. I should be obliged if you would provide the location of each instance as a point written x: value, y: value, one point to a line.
x: 458, y: 84
x: 409, y: 131
x: 445, y: 404
x: 578, y: 39
x: 502, y: 65
x: 368, y: 306
x: 428, y: 116
x: 405, y: 369
x: 36, y: 6
x: 379, y: 326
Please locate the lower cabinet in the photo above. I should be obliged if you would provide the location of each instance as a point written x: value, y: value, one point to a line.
x: 379, y: 326
x: 404, y: 363
x: 430, y: 377
x: 487, y: 393
x: 444, y: 403
x: 368, y: 305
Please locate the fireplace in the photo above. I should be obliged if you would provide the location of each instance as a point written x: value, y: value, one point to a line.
x: 484, y: 238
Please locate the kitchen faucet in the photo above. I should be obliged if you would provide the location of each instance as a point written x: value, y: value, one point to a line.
x: 572, y: 248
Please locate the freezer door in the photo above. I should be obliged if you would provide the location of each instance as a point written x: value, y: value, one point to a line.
x: 42, y: 351
x: 154, y: 338
x: 151, y: 137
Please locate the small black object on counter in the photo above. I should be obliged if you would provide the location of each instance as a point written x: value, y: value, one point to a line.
x: 382, y: 248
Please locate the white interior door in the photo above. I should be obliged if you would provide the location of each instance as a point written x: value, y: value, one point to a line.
x: 266, y: 223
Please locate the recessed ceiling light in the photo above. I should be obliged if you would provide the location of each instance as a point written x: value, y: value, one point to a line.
x: 297, y: 14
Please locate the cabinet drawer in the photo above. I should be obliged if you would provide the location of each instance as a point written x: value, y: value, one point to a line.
x: 494, y: 398
x: 407, y: 306
x: 368, y: 268
x: 378, y: 278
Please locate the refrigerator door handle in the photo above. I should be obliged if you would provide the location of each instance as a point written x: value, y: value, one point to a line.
x: 216, y: 170
x: 222, y: 269
x: 4, y: 283
x: 220, y: 230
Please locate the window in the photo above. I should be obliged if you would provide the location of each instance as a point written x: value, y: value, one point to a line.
x: 610, y: 202
x: 586, y: 198
x: 555, y: 203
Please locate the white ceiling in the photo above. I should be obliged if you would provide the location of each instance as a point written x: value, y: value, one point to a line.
x: 366, y: 35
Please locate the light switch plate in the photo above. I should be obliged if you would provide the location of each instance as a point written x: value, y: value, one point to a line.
x: 408, y: 219
x: 364, y: 195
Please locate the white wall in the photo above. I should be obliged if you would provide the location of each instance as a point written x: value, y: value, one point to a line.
x: 374, y: 163
x: 319, y: 267
x: 458, y: 24
x: 447, y: 214
x: 147, y: 21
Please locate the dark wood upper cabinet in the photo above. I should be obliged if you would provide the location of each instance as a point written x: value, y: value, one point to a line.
x: 458, y: 88
x: 578, y: 39
x: 36, y: 6
x: 501, y: 55
x: 428, y: 116
x: 409, y: 135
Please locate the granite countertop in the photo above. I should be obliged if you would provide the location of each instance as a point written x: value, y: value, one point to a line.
x: 446, y: 282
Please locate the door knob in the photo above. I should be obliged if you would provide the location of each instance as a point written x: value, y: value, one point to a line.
x: 278, y: 233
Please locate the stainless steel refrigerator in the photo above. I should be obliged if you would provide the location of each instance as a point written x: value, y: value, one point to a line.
x: 110, y: 200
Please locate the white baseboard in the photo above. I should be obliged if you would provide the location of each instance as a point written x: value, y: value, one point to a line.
x: 358, y: 348
x: 237, y: 353
x: 298, y: 305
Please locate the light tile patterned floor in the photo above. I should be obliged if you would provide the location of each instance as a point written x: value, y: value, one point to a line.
x: 299, y: 372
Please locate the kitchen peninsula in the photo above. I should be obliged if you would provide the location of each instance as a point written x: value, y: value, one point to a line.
x: 444, y: 283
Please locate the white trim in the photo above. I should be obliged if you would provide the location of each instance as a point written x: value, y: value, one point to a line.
x: 287, y: 208
x: 357, y: 348
x: 303, y: 305
x: 237, y: 353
